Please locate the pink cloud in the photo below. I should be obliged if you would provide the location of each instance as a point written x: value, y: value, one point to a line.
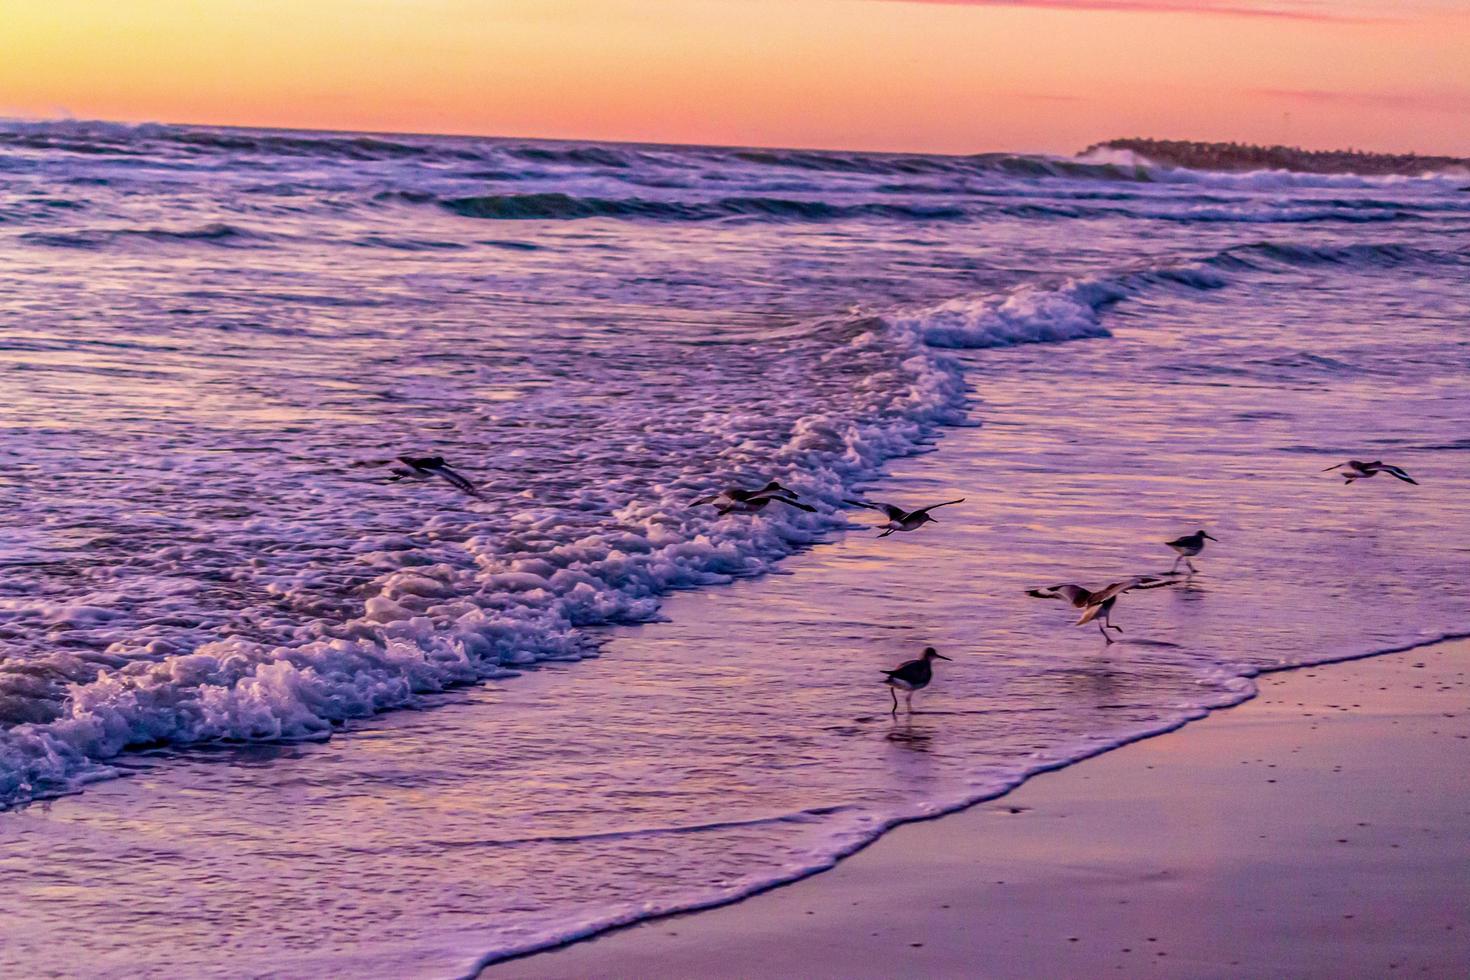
x: 1456, y: 102
x: 1287, y: 9
x: 1046, y: 97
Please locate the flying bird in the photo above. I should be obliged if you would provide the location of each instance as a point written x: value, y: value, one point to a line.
x: 1098, y: 605
x: 1356, y: 469
x: 428, y: 467
x: 903, y: 520
x: 735, y: 500
x: 1189, y: 546
x: 910, y: 677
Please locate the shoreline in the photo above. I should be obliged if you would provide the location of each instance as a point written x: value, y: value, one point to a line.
x: 825, y: 924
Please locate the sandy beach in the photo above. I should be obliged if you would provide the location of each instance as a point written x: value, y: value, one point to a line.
x: 1316, y: 831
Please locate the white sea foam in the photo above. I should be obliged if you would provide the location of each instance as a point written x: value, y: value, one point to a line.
x: 502, y: 602
x: 426, y: 627
x: 1033, y: 314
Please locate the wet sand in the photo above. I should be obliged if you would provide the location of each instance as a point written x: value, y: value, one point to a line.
x: 1318, y: 830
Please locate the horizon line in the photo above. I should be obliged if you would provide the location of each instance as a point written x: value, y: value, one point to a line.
x: 420, y: 134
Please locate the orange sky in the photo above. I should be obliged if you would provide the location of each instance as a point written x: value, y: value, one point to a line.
x: 943, y: 75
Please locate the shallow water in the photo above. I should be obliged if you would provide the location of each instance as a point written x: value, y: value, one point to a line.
x: 194, y: 557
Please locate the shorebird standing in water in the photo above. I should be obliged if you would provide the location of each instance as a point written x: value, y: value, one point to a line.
x: 734, y: 500
x: 428, y: 467
x: 910, y: 677
x: 1098, y: 605
x: 1356, y: 469
x: 1189, y: 546
x: 903, y: 520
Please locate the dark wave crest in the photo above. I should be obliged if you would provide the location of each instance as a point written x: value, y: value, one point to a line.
x: 558, y: 206
x: 216, y: 233
x: 118, y: 139
x: 1266, y: 256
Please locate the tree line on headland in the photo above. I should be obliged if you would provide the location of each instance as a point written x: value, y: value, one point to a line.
x: 1246, y: 156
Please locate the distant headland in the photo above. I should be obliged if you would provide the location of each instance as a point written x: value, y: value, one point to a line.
x: 1247, y: 156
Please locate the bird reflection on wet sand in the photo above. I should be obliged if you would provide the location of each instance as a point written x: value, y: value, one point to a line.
x: 906, y: 734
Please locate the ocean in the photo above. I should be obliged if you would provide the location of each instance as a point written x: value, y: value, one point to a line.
x: 265, y: 710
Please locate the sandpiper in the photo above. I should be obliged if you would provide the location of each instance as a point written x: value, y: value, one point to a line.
x: 1356, y: 469
x: 1189, y: 546
x: 910, y: 677
x: 428, y: 467
x: 735, y: 500
x: 903, y: 520
x: 1098, y: 605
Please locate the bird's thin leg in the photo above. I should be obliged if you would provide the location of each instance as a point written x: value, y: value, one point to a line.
x: 1108, y: 621
x: 908, y: 701
x: 1101, y: 629
x: 895, y: 701
x: 1192, y: 569
x: 1175, y: 567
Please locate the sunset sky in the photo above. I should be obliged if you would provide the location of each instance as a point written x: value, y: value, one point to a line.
x: 941, y: 75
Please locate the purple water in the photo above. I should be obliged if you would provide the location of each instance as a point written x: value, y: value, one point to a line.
x: 213, y: 341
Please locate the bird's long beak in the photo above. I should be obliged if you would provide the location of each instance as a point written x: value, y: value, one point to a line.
x: 1212, y: 537
x: 943, y: 657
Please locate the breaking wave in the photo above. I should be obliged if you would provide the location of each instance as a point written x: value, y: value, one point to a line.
x: 426, y: 626
x: 429, y: 626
